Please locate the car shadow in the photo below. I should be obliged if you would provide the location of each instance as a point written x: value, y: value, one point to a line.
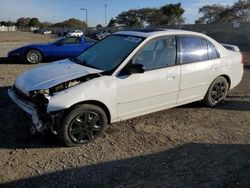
x: 247, y: 67
x: 15, y: 126
x: 189, y: 165
x: 236, y: 103
x: 5, y: 60
x: 226, y: 105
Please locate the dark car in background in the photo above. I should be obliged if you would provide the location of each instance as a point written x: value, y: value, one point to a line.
x: 99, y: 35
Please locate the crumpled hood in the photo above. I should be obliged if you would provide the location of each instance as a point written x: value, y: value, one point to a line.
x: 49, y: 75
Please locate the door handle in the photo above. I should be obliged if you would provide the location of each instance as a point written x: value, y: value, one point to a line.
x: 214, y: 67
x: 171, y: 76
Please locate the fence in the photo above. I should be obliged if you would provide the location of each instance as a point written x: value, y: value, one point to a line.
x: 225, y: 33
x: 232, y: 33
x: 10, y: 28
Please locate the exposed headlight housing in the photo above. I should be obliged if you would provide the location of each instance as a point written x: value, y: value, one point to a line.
x: 41, y: 99
x: 42, y: 91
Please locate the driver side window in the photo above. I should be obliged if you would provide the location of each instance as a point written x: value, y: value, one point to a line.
x: 71, y: 40
x: 157, y: 54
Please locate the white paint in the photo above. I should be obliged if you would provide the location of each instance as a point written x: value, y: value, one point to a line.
x: 137, y: 94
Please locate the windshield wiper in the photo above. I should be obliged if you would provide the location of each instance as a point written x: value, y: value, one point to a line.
x: 75, y: 60
x: 81, y: 62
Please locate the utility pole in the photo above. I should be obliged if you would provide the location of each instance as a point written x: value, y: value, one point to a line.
x: 86, y: 14
x: 105, y: 14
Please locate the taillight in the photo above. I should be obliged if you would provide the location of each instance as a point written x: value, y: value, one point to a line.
x: 241, y: 61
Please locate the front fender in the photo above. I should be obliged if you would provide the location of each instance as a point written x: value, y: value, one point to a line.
x: 43, y: 49
x: 101, y: 90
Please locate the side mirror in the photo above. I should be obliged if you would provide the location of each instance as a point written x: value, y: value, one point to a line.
x: 135, y: 68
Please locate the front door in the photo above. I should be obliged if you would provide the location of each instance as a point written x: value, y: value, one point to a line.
x: 156, y: 88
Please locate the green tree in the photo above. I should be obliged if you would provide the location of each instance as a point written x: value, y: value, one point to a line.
x: 112, y: 22
x: 242, y: 10
x: 10, y: 23
x: 211, y: 13
x: 45, y: 24
x: 225, y: 14
x: 169, y: 14
x: 23, y: 22
x: 99, y: 26
x: 34, y: 22
x: 172, y: 14
x: 157, y: 18
x: 129, y: 18
x: 72, y: 23
x: 4, y: 23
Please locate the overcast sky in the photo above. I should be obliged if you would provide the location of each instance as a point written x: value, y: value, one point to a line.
x: 58, y: 10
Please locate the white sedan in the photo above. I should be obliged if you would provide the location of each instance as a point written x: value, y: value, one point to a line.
x: 128, y: 74
x: 47, y: 32
x: 76, y: 33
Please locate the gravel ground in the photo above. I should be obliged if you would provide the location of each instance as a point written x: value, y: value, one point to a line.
x: 188, y: 146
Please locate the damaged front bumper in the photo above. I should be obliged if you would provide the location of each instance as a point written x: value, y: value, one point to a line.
x: 30, y: 109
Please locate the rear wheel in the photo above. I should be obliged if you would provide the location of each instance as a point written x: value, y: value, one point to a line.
x: 83, y: 124
x: 217, y: 92
x: 33, y: 56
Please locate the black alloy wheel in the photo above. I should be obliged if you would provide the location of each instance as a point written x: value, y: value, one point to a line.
x: 85, y: 127
x: 83, y: 124
x: 217, y: 92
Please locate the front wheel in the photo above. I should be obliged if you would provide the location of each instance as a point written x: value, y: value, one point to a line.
x: 217, y: 92
x: 83, y: 124
x: 33, y: 56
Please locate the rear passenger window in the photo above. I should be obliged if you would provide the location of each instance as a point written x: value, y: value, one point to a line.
x: 213, y: 54
x: 193, y: 49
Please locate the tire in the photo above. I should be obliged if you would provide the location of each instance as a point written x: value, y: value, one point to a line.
x: 83, y: 124
x: 217, y: 92
x: 33, y: 56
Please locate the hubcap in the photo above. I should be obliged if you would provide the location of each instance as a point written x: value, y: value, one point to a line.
x: 218, y: 92
x: 33, y: 57
x: 85, y: 127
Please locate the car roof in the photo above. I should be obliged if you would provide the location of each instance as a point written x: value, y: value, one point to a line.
x: 156, y: 32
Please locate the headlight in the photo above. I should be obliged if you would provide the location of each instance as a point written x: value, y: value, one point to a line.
x: 42, y: 91
x: 15, y: 53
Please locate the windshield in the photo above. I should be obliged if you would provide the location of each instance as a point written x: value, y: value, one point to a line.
x: 110, y: 52
x: 61, y: 38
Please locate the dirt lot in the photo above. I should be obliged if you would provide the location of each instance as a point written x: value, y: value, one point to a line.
x: 188, y: 146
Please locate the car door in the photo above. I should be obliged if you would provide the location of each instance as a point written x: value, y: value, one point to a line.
x: 156, y: 88
x: 68, y: 47
x: 200, y: 65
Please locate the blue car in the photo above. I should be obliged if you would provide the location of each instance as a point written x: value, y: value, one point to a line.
x: 62, y: 48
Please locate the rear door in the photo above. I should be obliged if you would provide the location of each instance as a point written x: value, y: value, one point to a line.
x: 200, y: 64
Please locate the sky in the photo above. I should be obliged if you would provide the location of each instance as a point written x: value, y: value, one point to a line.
x: 59, y: 10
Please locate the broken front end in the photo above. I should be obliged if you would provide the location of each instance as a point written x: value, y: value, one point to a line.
x: 36, y: 104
